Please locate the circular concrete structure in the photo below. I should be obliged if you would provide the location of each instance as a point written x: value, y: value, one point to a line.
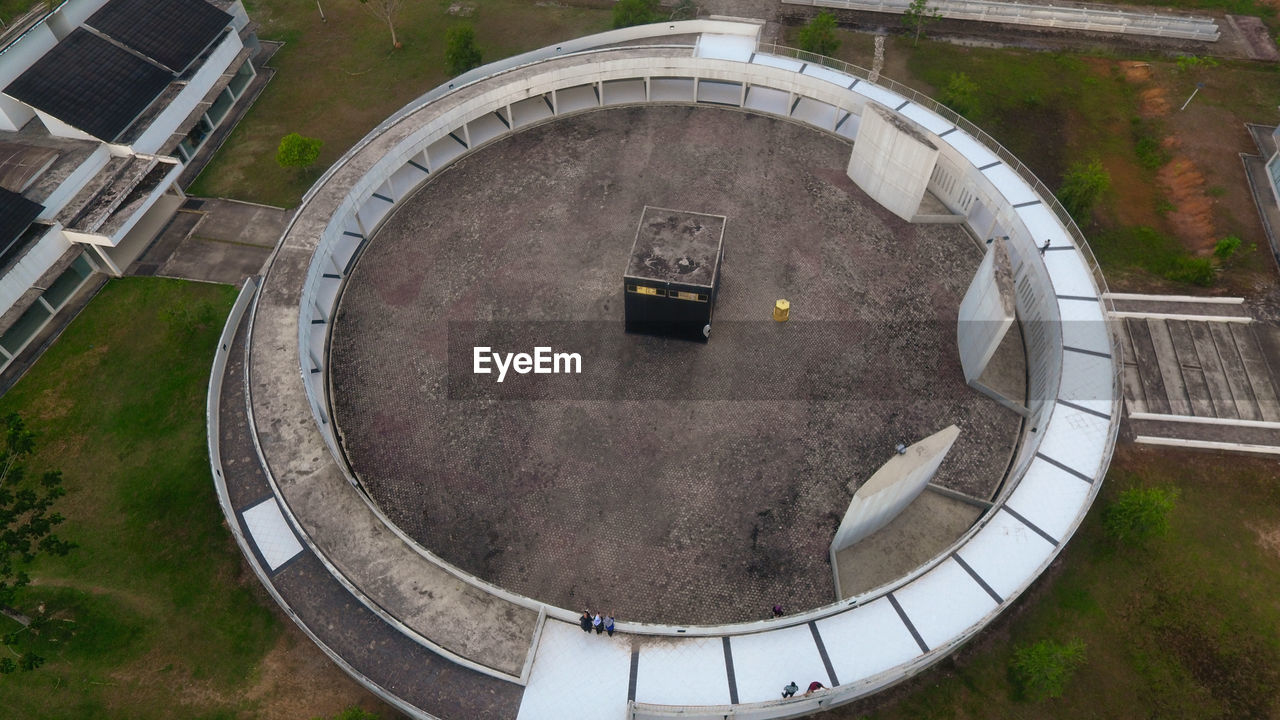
x: 729, y: 460
x: 858, y: 645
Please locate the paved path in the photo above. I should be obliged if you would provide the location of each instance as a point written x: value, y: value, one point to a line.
x: 214, y: 240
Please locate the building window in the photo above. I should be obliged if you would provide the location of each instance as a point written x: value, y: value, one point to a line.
x: 220, y: 106
x: 68, y: 282
x: 17, y: 336
x: 242, y: 79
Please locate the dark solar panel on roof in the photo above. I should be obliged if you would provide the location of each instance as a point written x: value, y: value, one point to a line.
x: 16, y: 214
x: 171, y: 32
x: 90, y: 84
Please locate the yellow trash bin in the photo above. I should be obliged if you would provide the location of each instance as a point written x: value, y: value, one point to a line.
x: 781, y: 310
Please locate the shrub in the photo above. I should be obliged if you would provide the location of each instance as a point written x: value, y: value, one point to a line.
x: 461, y: 53
x: 961, y: 94
x: 296, y: 151
x: 1139, y: 514
x: 1042, y: 670
x: 634, y: 12
x: 1081, y: 187
x: 1226, y: 247
x: 819, y: 35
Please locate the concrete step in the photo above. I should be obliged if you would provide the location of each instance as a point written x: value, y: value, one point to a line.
x: 1252, y: 436
x: 1128, y: 305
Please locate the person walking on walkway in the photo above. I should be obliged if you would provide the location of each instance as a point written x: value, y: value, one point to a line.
x: 598, y: 623
x: 608, y: 624
x: 814, y: 687
x: 791, y: 689
x: 585, y: 621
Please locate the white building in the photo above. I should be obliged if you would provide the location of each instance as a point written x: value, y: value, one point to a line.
x: 102, y: 103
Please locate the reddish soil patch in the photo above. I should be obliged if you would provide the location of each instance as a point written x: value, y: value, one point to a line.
x: 1136, y: 72
x: 1192, y: 217
x: 1153, y: 102
x: 1131, y: 193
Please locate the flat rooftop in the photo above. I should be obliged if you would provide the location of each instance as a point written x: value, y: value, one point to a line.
x: 668, y: 481
x: 676, y: 246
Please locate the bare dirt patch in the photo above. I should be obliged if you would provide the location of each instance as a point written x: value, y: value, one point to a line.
x: 1136, y: 72
x: 297, y: 680
x: 1191, y: 220
x: 1153, y: 102
x: 1268, y: 537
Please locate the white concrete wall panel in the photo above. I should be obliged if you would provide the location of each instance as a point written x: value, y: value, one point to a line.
x: 442, y: 152
x: 35, y: 263
x: 985, y: 315
x: 891, y: 163
x: 15, y: 60
x: 623, y: 92
x: 58, y: 128
x: 485, y: 128
x: 888, y: 492
x: 167, y: 122
x: 575, y: 99
x: 75, y: 182
x: 768, y: 100
x: 817, y: 114
x: 671, y: 89
x: 530, y: 110
x: 720, y: 93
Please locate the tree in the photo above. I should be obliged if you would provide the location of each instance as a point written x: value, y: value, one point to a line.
x: 461, y: 53
x: 1081, y: 187
x: 26, y: 532
x: 961, y: 94
x: 1042, y: 670
x: 1139, y: 514
x: 296, y: 151
x: 384, y: 10
x: 917, y: 15
x: 819, y: 35
x: 634, y: 12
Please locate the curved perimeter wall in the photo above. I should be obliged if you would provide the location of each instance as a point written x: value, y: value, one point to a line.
x: 873, y: 640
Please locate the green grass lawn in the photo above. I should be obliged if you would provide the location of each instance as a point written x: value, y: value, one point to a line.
x: 338, y: 79
x: 156, y: 617
x: 1052, y: 110
x: 1185, y: 627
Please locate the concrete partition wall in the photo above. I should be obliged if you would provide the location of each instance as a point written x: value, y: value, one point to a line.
x: 892, y: 488
x: 986, y: 311
x: 892, y: 160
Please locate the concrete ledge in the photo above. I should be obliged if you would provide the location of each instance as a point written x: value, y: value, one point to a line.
x: 1208, y: 445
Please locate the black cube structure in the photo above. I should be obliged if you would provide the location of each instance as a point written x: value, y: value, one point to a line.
x: 673, y: 274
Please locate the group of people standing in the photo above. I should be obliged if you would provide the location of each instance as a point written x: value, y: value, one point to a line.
x: 594, y: 621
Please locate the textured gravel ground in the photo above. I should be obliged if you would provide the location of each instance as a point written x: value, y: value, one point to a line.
x: 670, y: 481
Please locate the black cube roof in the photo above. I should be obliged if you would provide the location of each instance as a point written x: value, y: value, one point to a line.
x: 91, y: 85
x: 171, y: 32
x: 16, y: 214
